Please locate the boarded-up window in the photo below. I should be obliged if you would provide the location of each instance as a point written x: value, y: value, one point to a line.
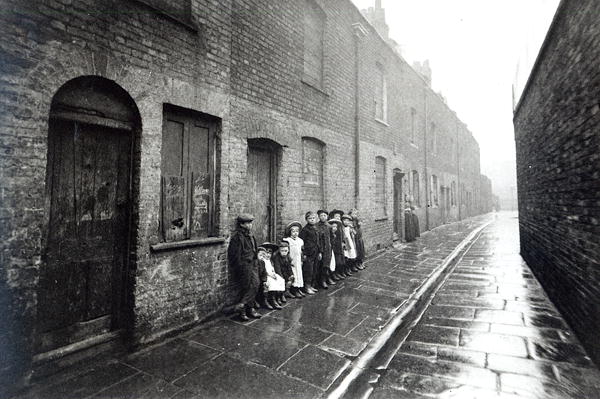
x: 380, y: 94
x: 314, y: 30
x: 312, y: 162
x: 380, y: 201
x: 434, y: 195
x: 188, y: 175
x: 416, y: 190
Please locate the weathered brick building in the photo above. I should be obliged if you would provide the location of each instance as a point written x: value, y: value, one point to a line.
x: 133, y: 132
x: 557, y: 130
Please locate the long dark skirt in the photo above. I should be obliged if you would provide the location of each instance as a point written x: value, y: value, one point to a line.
x: 409, y: 230
x: 360, y: 246
x: 415, y: 222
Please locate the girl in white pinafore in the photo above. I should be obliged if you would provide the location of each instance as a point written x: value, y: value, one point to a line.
x: 296, y: 244
x: 350, y: 248
x: 275, y: 283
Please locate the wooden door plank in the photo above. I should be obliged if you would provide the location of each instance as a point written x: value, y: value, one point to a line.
x: 173, y: 220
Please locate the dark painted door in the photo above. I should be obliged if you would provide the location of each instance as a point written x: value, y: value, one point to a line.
x: 398, y: 206
x: 81, y: 282
x: 261, y: 174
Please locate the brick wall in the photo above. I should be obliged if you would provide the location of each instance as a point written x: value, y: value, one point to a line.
x: 557, y: 130
x: 242, y: 62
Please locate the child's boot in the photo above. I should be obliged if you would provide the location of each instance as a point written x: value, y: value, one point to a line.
x: 330, y: 279
x: 271, y: 300
x: 264, y: 303
x: 251, y: 312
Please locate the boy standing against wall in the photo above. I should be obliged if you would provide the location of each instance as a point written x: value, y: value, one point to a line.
x: 312, y: 251
x: 241, y: 255
x: 324, y: 278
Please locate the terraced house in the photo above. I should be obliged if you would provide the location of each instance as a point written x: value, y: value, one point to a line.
x: 133, y: 132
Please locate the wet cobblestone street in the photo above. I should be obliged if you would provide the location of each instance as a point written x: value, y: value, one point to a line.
x: 491, y: 332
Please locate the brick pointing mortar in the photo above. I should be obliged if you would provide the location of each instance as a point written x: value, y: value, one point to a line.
x: 557, y: 127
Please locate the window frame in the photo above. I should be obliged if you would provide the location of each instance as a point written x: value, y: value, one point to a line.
x: 321, y: 145
x: 413, y: 126
x: 310, y: 6
x: 191, y: 118
x: 434, y: 191
x: 381, y: 85
x: 383, y: 199
x: 416, y: 191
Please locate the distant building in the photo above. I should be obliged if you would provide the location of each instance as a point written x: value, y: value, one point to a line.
x: 134, y: 132
x: 557, y: 132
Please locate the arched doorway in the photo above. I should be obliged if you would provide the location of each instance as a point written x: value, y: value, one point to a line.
x: 83, y: 281
x: 262, y: 181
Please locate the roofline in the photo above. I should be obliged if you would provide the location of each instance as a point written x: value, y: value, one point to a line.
x: 418, y: 75
x: 541, y: 55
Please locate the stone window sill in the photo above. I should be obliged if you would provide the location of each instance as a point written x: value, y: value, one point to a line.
x: 170, y: 246
x: 315, y: 87
x: 384, y: 123
x: 382, y: 219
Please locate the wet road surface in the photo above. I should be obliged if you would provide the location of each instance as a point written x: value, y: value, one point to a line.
x: 490, y: 332
x: 297, y: 352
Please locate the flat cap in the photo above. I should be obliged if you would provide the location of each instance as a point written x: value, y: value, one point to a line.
x: 245, y: 218
x: 284, y: 244
x: 309, y: 214
x: 320, y: 211
x: 346, y: 217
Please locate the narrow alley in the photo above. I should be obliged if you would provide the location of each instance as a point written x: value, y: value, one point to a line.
x: 490, y: 332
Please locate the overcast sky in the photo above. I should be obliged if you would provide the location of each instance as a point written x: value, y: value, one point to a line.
x: 474, y: 47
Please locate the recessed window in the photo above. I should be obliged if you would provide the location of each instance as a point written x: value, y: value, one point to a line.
x: 187, y: 175
x: 314, y: 31
x: 453, y: 193
x: 312, y: 162
x: 434, y: 140
x: 380, y: 94
x: 380, y: 197
x: 416, y: 190
x: 434, y: 191
x: 413, y: 125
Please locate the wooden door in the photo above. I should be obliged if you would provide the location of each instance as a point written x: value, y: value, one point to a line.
x: 398, y: 206
x: 81, y: 282
x: 261, y: 196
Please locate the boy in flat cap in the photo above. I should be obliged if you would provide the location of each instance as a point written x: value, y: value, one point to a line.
x: 242, y: 258
x: 312, y: 250
x: 323, y: 276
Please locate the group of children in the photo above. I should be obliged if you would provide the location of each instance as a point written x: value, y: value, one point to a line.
x: 327, y: 249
